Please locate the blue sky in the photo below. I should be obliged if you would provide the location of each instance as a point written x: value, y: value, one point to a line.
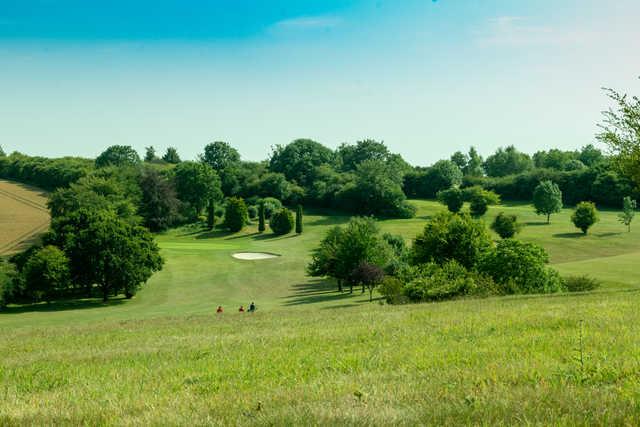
x: 426, y: 77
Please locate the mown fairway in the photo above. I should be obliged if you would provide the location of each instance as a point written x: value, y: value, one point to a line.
x: 313, y: 356
x: 23, y: 215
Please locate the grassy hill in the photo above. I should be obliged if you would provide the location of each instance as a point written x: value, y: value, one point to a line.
x: 313, y: 356
x: 23, y: 216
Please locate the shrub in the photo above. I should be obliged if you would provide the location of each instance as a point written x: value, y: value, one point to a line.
x: 585, y: 216
x: 506, y: 225
x: 452, y: 198
x: 520, y: 267
x: 449, y: 280
x: 253, y: 212
x: 299, y: 219
x: 581, y: 283
x: 449, y: 237
x: 392, y: 290
x: 479, y: 200
x: 219, y: 212
x: 281, y: 221
x: 236, y: 215
x: 271, y: 205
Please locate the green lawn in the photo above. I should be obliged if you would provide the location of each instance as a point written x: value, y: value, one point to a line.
x: 313, y: 356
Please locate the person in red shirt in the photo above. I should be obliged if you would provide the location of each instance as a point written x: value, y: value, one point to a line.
x: 219, y: 310
x: 241, y: 309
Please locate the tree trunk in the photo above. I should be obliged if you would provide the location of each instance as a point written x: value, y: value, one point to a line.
x: 363, y: 288
x: 371, y: 294
x: 105, y: 293
x: 339, y: 285
x: 548, y: 218
x: 350, y: 288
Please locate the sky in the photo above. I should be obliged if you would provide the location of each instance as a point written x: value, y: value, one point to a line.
x: 426, y: 77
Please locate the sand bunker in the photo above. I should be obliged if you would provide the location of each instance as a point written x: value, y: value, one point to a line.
x: 254, y: 255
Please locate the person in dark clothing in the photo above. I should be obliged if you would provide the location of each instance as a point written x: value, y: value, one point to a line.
x: 252, y: 307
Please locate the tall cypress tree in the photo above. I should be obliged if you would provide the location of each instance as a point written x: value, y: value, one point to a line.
x: 211, y: 217
x: 261, y: 226
x: 299, y: 219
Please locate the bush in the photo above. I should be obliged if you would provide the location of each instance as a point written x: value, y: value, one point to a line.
x: 9, y: 283
x: 581, y: 283
x: 271, y: 205
x: 449, y: 237
x: 447, y: 281
x: 236, y: 215
x: 253, y: 212
x: 479, y: 200
x: 281, y: 222
x: 452, y: 198
x: 392, y: 290
x: 219, y: 212
x: 506, y: 225
x: 585, y: 216
x: 520, y: 268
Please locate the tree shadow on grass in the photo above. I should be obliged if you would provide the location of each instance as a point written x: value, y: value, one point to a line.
x: 535, y: 223
x: 212, y: 234
x: 271, y: 236
x: 608, y: 234
x: 574, y: 235
x: 63, y: 305
x: 317, y: 291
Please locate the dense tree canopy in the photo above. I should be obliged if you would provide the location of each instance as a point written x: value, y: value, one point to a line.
x: 298, y: 160
x: 220, y: 155
x: 449, y: 236
x: 106, y: 251
x: 507, y: 161
x: 46, y: 274
x: 159, y: 207
x: 343, y: 249
x: 118, y: 155
x: 196, y: 183
x: 171, y: 156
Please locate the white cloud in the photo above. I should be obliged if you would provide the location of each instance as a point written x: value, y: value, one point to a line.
x: 517, y: 31
x: 308, y: 23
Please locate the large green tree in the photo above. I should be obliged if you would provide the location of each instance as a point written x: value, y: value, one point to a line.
x: 621, y: 133
x: 377, y: 190
x: 159, y: 207
x: 343, y: 249
x: 298, y: 160
x: 507, y: 161
x: 106, y: 251
x: 547, y: 199
x: 220, y: 155
x: 118, y: 155
x: 196, y: 183
x: 448, y: 236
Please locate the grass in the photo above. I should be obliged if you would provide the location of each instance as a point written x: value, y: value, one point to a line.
x: 313, y: 356
x: 23, y: 216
